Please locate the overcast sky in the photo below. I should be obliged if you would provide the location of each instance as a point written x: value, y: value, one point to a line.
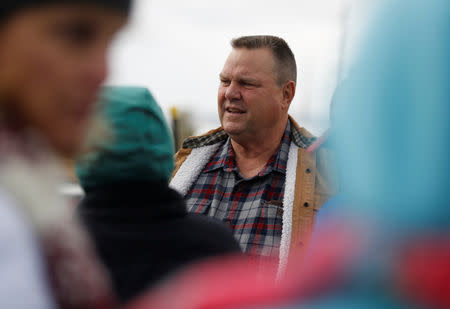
x: 177, y: 49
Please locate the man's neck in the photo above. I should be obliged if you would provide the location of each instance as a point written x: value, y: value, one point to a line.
x: 252, y: 155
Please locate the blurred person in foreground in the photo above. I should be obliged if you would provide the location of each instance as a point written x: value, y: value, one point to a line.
x: 140, y: 226
x: 394, y: 171
x: 254, y: 172
x: 53, y: 61
x: 385, y: 243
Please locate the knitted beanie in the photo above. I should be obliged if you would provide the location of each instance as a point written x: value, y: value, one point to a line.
x: 140, y: 147
x: 9, y: 6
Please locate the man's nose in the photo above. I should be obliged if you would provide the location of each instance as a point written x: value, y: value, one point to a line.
x: 233, y: 92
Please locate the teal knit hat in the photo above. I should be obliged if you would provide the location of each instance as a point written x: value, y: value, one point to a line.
x: 140, y: 147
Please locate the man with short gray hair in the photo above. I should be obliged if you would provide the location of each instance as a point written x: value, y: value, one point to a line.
x: 254, y: 172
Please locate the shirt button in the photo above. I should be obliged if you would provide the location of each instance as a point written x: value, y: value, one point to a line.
x: 280, y: 212
x: 306, y: 204
x: 308, y: 171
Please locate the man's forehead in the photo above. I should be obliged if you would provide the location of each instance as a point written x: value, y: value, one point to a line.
x: 248, y: 62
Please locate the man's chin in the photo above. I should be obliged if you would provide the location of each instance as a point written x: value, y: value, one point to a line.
x: 233, y: 130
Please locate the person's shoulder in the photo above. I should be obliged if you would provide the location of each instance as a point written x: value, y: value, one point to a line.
x: 211, y: 230
x: 12, y: 217
x: 213, y: 137
x: 209, y: 138
x: 22, y: 266
x: 318, y: 148
x: 300, y: 136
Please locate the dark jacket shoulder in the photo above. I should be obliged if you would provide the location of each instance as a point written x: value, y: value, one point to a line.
x: 143, y: 234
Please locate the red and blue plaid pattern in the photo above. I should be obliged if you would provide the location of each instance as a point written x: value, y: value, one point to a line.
x: 251, y: 207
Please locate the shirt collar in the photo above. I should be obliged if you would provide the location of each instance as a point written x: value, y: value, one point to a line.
x: 278, y: 161
x: 225, y: 157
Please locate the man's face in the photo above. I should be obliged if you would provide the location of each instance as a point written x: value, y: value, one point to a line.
x: 249, y: 99
x: 53, y: 62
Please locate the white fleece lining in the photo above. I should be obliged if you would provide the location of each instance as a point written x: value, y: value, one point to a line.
x: 192, y: 167
x: 288, y: 202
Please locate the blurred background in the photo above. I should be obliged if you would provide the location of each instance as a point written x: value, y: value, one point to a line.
x: 177, y: 49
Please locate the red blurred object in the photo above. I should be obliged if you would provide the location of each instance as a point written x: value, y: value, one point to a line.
x: 239, y: 282
x: 424, y: 272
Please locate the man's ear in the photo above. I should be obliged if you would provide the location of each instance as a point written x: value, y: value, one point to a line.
x: 288, y: 93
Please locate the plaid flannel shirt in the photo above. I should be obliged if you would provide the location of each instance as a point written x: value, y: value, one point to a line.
x: 251, y: 207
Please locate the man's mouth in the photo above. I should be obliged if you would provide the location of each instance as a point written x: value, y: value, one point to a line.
x: 234, y: 110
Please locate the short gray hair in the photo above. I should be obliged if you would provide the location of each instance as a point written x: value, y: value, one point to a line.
x: 286, y: 67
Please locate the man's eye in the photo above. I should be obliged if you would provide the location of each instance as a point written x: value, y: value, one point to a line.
x: 225, y: 82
